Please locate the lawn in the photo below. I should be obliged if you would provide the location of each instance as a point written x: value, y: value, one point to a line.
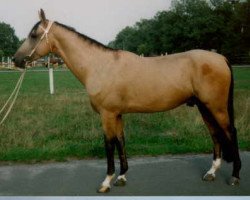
x: 63, y: 126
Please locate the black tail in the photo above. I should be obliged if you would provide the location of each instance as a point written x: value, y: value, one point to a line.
x: 230, y: 107
x: 230, y: 147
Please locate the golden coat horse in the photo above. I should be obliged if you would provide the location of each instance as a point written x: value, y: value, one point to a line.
x: 120, y: 82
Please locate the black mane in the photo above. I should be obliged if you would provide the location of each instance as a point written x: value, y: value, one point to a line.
x: 35, y: 27
x: 85, y: 37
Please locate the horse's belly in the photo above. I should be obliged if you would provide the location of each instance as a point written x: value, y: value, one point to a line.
x: 155, y: 103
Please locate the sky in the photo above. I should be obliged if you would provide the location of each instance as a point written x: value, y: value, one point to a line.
x: 99, y: 19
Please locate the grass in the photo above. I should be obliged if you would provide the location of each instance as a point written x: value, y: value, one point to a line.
x: 61, y: 126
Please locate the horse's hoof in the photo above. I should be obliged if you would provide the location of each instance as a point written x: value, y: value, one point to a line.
x: 103, y: 189
x: 208, y: 177
x: 234, y: 181
x: 120, y: 182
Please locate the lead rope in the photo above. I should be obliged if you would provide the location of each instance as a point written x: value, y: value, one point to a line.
x: 15, y: 94
x: 19, y: 82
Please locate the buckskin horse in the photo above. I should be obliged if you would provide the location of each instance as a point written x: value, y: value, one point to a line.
x: 120, y: 82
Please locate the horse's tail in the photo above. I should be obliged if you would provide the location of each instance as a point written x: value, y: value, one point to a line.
x: 230, y: 146
x: 230, y: 106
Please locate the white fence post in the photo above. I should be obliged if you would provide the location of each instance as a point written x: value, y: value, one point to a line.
x: 51, y: 78
x: 8, y: 61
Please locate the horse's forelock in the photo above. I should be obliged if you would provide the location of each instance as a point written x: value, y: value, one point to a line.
x: 35, y: 27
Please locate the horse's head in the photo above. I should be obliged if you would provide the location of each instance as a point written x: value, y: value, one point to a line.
x: 37, y: 43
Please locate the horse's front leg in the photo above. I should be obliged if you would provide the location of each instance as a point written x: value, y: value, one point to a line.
x: 121, y: 179
x: 113, y: 128
x: 110, y: 148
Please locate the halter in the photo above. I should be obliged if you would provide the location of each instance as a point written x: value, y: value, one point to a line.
x: 45, y: 34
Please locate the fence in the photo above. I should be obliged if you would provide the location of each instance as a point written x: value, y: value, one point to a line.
x: 6, y: 62
x: 36, y: 82
x: 241, y: 59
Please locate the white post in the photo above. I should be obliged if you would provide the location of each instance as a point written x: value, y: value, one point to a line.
x: 51, y: 78
x: 3, y: 61
x: 8, y: 61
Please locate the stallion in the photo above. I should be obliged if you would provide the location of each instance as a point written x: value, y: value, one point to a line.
x: 120, y: 82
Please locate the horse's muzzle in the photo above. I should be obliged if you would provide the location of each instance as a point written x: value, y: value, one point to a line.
x: 19, y: 62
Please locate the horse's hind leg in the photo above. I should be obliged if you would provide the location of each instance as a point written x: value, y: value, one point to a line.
x: 213, y: 129
x: 228, y: 141
x: 225, y: 134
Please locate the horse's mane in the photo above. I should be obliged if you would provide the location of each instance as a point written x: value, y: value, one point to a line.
x: 35, y: 27
x: 85, y: 37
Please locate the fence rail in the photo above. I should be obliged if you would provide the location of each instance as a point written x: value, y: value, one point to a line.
x: 241, y: 59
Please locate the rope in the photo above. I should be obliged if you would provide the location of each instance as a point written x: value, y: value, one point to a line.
x: 15, y: 94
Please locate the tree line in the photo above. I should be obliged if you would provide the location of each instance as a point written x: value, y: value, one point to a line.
x: 220, y: 25
x: 9, y: 42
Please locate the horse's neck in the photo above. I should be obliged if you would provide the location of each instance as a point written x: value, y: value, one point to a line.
x: 81, y: 57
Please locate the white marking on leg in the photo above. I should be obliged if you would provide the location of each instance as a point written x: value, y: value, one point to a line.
x: 122, y: 177
x: 215, y: 166
x: 121, y: 180
x: 107, y: 181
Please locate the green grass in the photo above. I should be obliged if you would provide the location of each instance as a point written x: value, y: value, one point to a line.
x: 61, y: 126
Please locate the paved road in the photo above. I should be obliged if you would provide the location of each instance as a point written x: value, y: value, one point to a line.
x: 165, y: 175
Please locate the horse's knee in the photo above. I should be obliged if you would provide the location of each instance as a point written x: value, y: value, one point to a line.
x: 112, y: 125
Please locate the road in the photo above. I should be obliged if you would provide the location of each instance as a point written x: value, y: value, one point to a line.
x: 157, y: 176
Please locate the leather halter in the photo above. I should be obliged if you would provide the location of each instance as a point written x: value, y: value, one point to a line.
x: 45, y: 34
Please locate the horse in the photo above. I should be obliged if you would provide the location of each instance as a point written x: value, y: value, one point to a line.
x: 120, y: 82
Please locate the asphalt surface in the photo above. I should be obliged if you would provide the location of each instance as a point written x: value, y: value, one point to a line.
x: 148, y: 176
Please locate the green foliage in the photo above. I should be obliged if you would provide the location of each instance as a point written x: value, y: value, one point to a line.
x: 8, y: 40
x: 191, y: 24
x: 1, y: 53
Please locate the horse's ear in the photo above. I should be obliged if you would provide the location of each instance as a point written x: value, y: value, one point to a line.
x: 42, y: 15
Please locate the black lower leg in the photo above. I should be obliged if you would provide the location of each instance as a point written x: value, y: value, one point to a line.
x: 120, y: 144
x: 237, y: 161
x: 110, y: 148
x: 236, y: 168
x: 217, y: 148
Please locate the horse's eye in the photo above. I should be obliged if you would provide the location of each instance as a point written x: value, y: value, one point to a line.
x: 33, y: 35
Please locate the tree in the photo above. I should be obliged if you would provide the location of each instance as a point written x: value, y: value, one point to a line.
x: 124, y: 39
x: 191, y: 24
x: 1, y: 53
x: 8, y: 40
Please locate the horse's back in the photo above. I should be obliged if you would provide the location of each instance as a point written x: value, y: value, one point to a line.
x: 154, y: 84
